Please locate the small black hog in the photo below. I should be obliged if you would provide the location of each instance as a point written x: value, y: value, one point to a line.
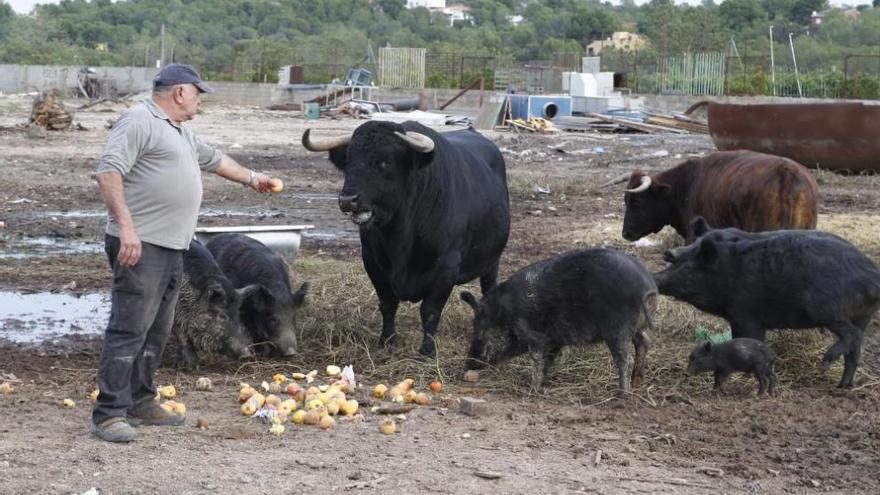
x: 574, y: 298
x: 780, y: 279
x: 743, y: 354
x: 269, y: 314
x: 206, y: 317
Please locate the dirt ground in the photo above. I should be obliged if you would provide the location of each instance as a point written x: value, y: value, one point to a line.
x: 673, y: 435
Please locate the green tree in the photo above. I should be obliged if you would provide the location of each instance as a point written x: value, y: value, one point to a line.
x: 800, y: 10
x: 391, y: 8
x: 662, y: 24
x: 6, y: 15
x: 740, y: 14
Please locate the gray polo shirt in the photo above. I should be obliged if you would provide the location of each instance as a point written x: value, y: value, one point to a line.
x: 160, y: 164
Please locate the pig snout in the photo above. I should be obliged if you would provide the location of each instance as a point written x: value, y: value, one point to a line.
x: 287, y: 347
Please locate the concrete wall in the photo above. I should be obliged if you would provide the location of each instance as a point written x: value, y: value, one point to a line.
x: 28, y: 78
x: 233, y: 93
x: 259, y: 94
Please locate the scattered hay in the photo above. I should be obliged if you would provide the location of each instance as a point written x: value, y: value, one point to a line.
x: 340, y: 325
x: 860, y: 229
x: 522, y: 183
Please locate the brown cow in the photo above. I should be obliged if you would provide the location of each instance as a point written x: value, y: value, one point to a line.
x: 744, y: 189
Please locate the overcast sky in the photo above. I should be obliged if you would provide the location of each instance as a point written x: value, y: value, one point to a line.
x: 25, y: 6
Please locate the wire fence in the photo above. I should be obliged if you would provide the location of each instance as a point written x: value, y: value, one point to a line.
x: 711, y: 73
x: 714, y: 74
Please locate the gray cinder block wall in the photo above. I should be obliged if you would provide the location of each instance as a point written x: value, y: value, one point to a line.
x: 29, y: 78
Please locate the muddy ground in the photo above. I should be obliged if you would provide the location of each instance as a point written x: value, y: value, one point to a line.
x: 671, y: 436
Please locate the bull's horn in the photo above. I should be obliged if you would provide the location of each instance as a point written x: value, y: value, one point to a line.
x: 416, y: 141
x: 646, y: 183
x: 616, y: 180
x: 324, y: 144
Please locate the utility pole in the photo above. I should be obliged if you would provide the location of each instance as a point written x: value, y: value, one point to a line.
x: 162, y: 56
x: 772, y: 63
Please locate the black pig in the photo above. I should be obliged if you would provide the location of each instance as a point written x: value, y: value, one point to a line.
x: 743, y: 354
x: 573, y: 298
x: 780, y: 279
x: 206, y: 317
x: 269, y: 314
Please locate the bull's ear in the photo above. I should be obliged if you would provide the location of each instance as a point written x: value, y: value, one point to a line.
x: 661, y: 188
x: 470, y: 299
x: 339, y: 156
x: 708, y: 251
x: 699, y: 227
x: 299, y: 297
x: 707, y: 347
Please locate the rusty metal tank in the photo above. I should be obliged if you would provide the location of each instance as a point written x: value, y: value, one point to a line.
x: 838, y: 136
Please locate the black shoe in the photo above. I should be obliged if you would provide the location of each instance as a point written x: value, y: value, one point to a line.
x: 114, y: 429
x: 151, y: 414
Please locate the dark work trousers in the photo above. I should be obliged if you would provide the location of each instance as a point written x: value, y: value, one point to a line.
x: 141, y: 314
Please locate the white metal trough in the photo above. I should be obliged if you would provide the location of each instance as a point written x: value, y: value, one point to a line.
x: 284, y: 239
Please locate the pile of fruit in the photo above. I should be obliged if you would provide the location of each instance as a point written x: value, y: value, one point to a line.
x: 314, y: 402
x: 311, y: 405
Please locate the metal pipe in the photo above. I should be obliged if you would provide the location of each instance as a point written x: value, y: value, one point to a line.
x: 772, y: 63
x: 796, y: 76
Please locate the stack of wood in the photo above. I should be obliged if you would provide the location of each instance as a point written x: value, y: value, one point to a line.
x: 48, y: 112
x: 679, y: 121
x: 535, y: 124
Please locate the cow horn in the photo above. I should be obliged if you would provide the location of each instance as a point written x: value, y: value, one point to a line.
x: 324, y: 144
x: 646, y: 183
x: 417, y: 141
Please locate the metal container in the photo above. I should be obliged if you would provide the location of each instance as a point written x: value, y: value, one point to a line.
x: 543, y: 106
x: 312, y: 111
x: 284, y: 239
x: 836, y: 136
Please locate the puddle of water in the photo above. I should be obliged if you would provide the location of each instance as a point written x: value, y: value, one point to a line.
x: 76, y: 213
x: 34, y: 318
x: 256, y: 213
x: 29, y: 247
x: 323, y: 235
x: 309, y: 197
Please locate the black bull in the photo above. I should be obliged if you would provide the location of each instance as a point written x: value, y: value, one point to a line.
x: 432, y: 210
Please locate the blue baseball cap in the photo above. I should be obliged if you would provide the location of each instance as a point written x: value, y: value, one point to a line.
x: 173, y: 74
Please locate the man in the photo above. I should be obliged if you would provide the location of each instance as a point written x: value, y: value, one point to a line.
x: 150, y: 179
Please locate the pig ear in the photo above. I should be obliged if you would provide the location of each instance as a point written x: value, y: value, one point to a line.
x: 299, y: 297
x: 699, y: 227
x: 470, y: 299
x: 708, y: 251
x: 707, y: 347
x: 258, y: 298
x: 216, y: 293
x: 246, y: 291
